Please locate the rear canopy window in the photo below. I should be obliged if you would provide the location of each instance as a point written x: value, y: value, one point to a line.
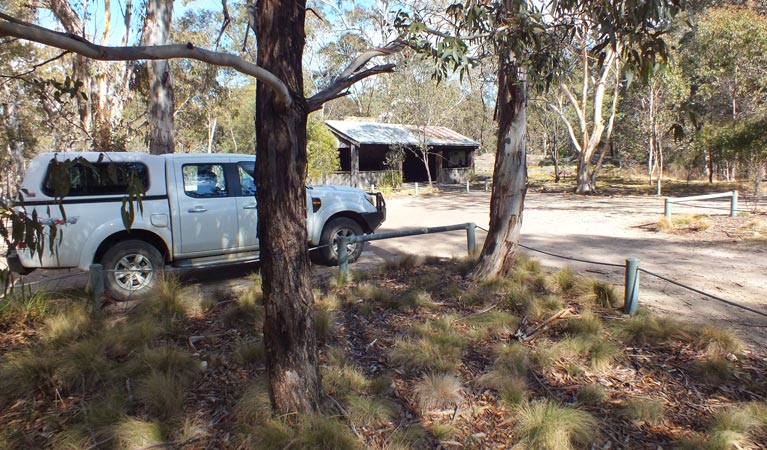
x: 103, y: 178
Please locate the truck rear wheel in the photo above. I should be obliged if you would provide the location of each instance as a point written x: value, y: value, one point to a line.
x: 340, y: 226
x: 132, y: 269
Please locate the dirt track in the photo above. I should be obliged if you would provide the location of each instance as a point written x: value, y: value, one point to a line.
x: 607, y: 229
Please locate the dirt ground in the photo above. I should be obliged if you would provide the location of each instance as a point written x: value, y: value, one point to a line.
x: 726, y: 263
x: 722, y: 260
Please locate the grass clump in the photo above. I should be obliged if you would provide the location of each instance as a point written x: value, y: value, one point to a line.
x: 343, y: 380
x: 125, y: 337
x: 602, y: 354
x: 564, y: 280
x: 433, y: 346
x: 444, y: 431
x: 545, y: 425
x: 591, y: 394
x: 26, y: 372
x: 715, y: 370
x: 248, y: 352
x: 492, y: 323
x: 318, y: 432
x: 414, y: 299
x: 107, y: 409
x: 172, y: 361
x: 734, y: 428
x: 253, y: 406
x: 684, y: 223
x: 511, y: 387
x: 424, y: 354
x: 649, y: 411
x: 83, y: 364
x: 598, y: 292
x: 162, y: 394
x: 324, y: 324
x: 246, y: 312
x: 438, y: 391
x: 508, y: 375
x: 133, y: 433
x: 719, y: 342
x: 366, y: 412
x: 645, y: 327
x: 586, y: 324
x: 403, y: 263
x: 372, y: 293
x: 68, y: 325
x: 24, y: 307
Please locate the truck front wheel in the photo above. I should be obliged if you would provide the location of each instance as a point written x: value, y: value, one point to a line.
x: 132, y: 269
x: 340, y: 226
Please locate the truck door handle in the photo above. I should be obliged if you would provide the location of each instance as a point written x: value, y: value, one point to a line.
x: 253, y: 206
x: 198, y: 209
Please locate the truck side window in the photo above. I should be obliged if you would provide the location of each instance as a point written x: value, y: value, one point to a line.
x: 204, y: 180
x: 98, y: 178
x: 247, y: 183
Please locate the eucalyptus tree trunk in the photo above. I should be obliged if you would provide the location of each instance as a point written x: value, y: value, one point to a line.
x: 81, y: 66
x: 161, y: 97
x: 509, y: 177
x: 289, y: 335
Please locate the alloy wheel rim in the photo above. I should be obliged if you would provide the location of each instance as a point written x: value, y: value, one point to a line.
x: 133, y: 272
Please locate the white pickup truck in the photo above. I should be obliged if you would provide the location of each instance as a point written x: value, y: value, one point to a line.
x: 198, y: 210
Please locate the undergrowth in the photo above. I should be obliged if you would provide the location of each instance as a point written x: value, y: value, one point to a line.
x: 414, y: 355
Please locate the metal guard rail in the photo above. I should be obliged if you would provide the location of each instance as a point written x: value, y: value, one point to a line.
x: 343, y: 241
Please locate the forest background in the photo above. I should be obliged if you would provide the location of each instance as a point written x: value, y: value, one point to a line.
x: 701, y: 115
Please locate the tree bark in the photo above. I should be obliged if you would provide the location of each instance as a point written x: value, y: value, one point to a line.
x: 161, y: 97
x: 289, y: 334
x: 509, y: 177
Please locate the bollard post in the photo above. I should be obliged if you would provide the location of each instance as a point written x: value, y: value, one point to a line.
x: 96, y: 285
x: 734, y: 204
x: 667, y: 209
x: 416, y: 188
x: 471, y: 237
x: 486, y: 183
x: 467, y: 185
x: 343, y: 256
x: 631, y: 295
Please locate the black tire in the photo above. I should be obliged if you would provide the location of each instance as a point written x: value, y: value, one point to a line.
x: 132, y: 269
x: 328, y: 255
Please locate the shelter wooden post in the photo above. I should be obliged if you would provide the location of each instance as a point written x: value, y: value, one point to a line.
x: 355, y: 165
x: 439, y: 156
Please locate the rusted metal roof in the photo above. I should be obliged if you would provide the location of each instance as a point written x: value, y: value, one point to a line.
x: 359, y: 133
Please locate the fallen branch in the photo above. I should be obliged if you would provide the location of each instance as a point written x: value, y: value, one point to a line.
x: 562, y: 314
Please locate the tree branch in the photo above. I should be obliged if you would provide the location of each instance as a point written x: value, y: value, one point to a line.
x: 360, y: 61
x: 10, y: 26
x: 334, y: 90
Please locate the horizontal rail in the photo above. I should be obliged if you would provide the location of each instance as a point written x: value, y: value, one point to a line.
x: 732, y: 194
x: 702, y: 197
x: 343, y: 241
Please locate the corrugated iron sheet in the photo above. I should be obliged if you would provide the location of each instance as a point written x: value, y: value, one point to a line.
x: 390, y: 134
